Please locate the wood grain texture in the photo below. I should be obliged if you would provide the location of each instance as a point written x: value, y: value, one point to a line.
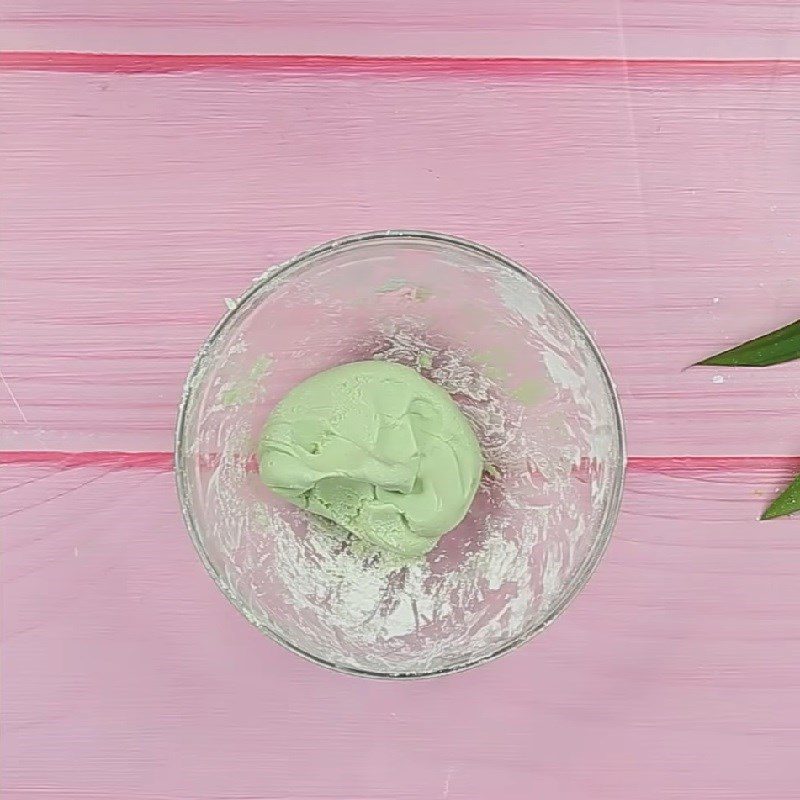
x: 558, y: 29
x: 126, y: 674
x: 659, y: 197
x: 660, y: 200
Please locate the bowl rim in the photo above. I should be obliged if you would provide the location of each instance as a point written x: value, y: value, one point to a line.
x: 611, y: 513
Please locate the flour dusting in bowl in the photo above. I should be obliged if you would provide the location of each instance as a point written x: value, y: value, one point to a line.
x: 520, y: 368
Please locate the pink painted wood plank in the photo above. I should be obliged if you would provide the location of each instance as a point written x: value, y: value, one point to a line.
x: 126, y: 674
x: 556, y: 29
x: 661, y: 201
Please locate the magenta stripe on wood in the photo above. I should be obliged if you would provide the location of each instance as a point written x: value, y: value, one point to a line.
x: 166, y: 63
x: 163, y: 461
x: 98, y: 458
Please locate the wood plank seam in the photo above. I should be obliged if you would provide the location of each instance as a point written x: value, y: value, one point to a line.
x: 133, y: 63
x: 163, y: 461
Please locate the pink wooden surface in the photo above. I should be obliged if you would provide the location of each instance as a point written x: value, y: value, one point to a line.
x: 660, y: 199
x: 554, y: 29
x: 127, y: 675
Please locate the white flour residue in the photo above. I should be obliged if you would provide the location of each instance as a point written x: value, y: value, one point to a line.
x: 395, y: 615
x: 489, y: 582
x: 313, y: 584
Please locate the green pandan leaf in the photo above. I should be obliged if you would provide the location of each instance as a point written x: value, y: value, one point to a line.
x: 786, y: 503
x: 772, y: 348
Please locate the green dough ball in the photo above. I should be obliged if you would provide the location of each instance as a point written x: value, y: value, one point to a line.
x: 377, y: 448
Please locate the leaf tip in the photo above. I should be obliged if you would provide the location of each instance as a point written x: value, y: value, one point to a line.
x: 711, y: 361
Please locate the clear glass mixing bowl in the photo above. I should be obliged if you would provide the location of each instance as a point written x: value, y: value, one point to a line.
x: 521, y: 367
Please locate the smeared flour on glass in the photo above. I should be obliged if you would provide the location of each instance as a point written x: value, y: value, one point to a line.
x: 368, y: 601
x: 493, y: 579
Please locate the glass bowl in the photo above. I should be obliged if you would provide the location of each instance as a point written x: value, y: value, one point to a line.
x: 525, y: 373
